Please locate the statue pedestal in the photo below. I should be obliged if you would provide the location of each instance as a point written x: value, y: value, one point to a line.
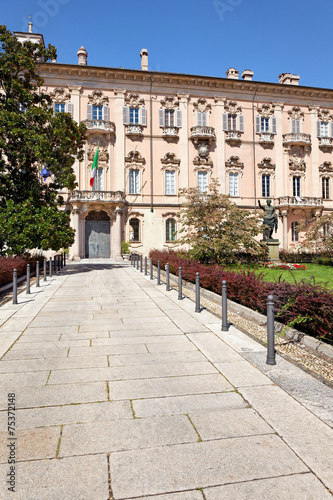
x: 273, y: 250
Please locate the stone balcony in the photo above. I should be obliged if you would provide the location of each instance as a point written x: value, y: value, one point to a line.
x: 134, y: 130
x: 325, y: 143
x: 296, y: 139
x: 93, y: 196
x: 233, y: 137
x: 205, y: 133
x: 100, y: 126
x: 170, y: 132
x: 266, y: 138
x: 300, y: 201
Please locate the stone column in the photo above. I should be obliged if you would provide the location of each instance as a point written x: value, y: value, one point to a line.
x: 76, y: 224
x: 118, y: 234
x: 285, y: 229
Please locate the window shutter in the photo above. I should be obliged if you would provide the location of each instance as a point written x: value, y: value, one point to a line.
x: 225, y: 122
x: 273, y: 125
x: 257, y: 124
x: 125, y: 115
x: 144, y: 117
x: 178, y: 118
x: 106, y: 113
x: 331, y: 129
x: 318, y: 129
x: 70, y: 109
x: 161, y: 116
x: 293, y: 126
x: 241, y: 123
x: 205, y: 119
x: 199, y: 119
x: 298, y: 126
x: 89, y: 111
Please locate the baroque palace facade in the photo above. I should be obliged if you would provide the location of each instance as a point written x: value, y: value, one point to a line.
x: 158, y: 132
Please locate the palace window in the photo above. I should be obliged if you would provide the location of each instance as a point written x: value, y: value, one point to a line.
x: 134, y: 181
x: 265, y: 184
x: 327, y: 229
x: 295, y: 127
x: 134, y: 116
x: 233, y: 122
x: 202, y: 119
x: 294, y: 231
x: 202, y: 181
x: 325, y: 184
x: 98, y: 180
x: 61, y: 107
x: 170, y: 182
x: 98, y: 112
x: 170, y: 118
x: 296, y: 186
x: 170, y: 230
x: 134, y: 234
x: 265, y: 124
x: 233, y: 185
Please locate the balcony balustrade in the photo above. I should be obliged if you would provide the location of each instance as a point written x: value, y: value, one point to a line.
x: 266, y: 138
x: 100, y: 125
x: 296, y: 139
x: 233, y: 136
x: 170, y: 132
x: 136, y: 130
x: 90, y: 196
x: 326, y: 143
x: 202, y: 133
x: 300, y: 201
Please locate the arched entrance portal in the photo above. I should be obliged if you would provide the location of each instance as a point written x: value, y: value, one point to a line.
x: 97, y: 232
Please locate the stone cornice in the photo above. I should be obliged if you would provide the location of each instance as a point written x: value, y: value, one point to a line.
x: 193, y: 81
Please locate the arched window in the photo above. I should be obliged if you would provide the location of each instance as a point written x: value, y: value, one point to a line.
x: 134, y: 234
x: 170, y: 230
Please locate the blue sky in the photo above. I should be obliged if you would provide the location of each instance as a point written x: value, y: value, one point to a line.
x: 201, y: 37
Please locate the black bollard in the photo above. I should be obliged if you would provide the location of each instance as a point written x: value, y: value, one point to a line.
x: 197, y: 293
x: 270, y: 331
x: 37, y: 273
x: 151, y: 269
x: 14, y: 286
x: 158, y: 272
x: 61, y: 260
x: 180, y: 284
x: 141, y: 263
x: 167, y: 277
x: 50, y: 267
x: 224, y: 326
x: 64, y: 259
x: 137, y: 261
x: 28, y: 278
x: 44, y: 270
x: 146, y: 272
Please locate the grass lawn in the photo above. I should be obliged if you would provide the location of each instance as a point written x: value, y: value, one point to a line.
x: 320, y: 273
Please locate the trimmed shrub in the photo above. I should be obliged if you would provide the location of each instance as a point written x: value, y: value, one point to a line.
x: 8, y: 264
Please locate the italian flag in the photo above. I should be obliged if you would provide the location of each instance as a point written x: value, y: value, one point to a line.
x: 94, y: 168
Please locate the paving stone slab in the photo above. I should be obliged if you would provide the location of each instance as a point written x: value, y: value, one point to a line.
x: 66, y: 479
x: 50, y: 344
x: 187, y: 495
x: 199, y: 465
x: 242, y: 373
x: 147, y: 331
x: 171, y: 346
x: 31, y: 444
x: 40, y: 353
x: 238, y: 340
x: 108, y: 349
x: 228, y: 424
x: 51, y: 329
x: 120, y: 435
x: 37, y: 364
x: 158, y: 339
x: 8, y: 380
x: 74, y: 414
x: 170, y: 386
x: 306, y: 434
x: 295, y: 487
x: 155, y: 358
x: 129, y: 373
x: 213, y: 347
x: 187, y: 404
x: 31, y: 397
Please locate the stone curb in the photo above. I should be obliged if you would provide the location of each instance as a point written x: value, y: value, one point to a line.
x: 249, y: 314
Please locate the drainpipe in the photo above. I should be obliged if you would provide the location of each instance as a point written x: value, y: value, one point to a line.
x: 151, y: 146
x: 254, y: 151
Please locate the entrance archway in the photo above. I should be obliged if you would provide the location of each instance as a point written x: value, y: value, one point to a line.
x: 97, y: 231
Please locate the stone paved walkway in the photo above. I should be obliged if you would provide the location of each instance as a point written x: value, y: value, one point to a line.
x: 124, y: 392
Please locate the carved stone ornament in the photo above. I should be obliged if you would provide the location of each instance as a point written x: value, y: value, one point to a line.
x: 97, y: 140
x: 266, y: 163
x: 170, y: 102
x: 266, y: 110
x: 234, y: 163
x: 134, y: 159
x: 103, y: 155
x: 297, y: 164
x: 97, y: 98
x: 134, y: 101
x: 296, y: 113
x: 202, y: 164
x: 74, y: 88
x: 60, y: 95
x: 326, y: 168
x: 170, y: 160
x: 232, y: 108
x: 202, y: 106
x: 324, y: 115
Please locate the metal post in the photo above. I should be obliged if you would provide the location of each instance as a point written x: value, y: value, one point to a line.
x: 131, y: 259
x: 158, y: 272
x: 146, y: 273
x: 58, y: 263
x: 37, y: 273
x: 28, y: 278
x: 141, y: 263
x: 167, y: 277
x: 270, y: 331
x: 180, y: 284
x: 197, y: 293
x: 50, y: 267
x: 44, y: 274
x: 14, y: 286
x: 224, y: 326
x: 55, y: 264
x: 151, y: 269
x: 65, y: 259
x: 137, y: 261
x: 61, y: 260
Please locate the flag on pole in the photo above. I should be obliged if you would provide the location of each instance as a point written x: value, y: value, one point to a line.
x: 94, y: 168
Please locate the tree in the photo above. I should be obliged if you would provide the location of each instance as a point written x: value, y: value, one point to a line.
x: 215, y: 228
x: 317, y: 235
x: 32, y: 137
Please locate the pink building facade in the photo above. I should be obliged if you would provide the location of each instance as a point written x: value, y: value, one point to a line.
x: 159, y: 132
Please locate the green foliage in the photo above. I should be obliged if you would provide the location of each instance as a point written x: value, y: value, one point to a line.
x: 125, y: 247
x: 317, y: 236
x: 31, y: 138
x: 216, y: 229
